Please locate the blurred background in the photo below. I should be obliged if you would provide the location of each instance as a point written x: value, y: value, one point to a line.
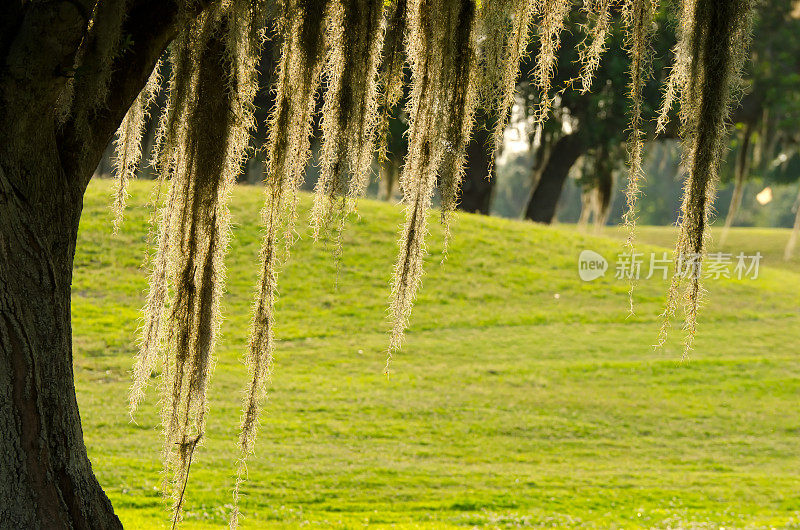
x: 573, y: 169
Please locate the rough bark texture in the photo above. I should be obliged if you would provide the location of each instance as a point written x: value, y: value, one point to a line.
x: 564, y: 154
x: 46, y: 480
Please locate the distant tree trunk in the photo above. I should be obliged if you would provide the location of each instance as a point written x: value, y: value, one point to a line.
x: 597, y: 194
x: 738, y: 185
x: 542, y: 155
x: 603, y: 212
x: 478, y: 184
x: 762, y: 151
x: 390, y: 172
x: 789, y: 252
x: 604, y: 189
x: 565, y: 152
x: 587, y: 207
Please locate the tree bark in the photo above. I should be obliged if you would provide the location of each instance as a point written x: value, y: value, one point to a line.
x: 46, y: 479
x: 390, y: 171
x: 587, y: 208
x: 604, y: 190
x: 598, y: 192
x: 789, y: 251
x: 542, y: 205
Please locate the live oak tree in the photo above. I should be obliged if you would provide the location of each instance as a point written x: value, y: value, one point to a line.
x: 73, y: 72
x: 596, y: 124
x: 766, y: 138
x: 766, y: 117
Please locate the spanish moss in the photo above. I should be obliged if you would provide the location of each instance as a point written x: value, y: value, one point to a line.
x: 168, y: 141
x: 302, y: 27
x: 128, y: 144
x: 392, y: 69
x: 199, y: 227
x: 443, y: 98
x: 462, y: 54
x: 506, y: 28
x: 464, y: 102
x: 638, y: 17
x: 720, y: 35
x: 202, y: 141
x: 678, y: 79
x: 350, y: 112
x: 591, y: 49
x: 551, y: 23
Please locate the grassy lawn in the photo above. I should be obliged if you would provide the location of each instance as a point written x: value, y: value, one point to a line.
x: 771, y: 242
x: 523, y: 396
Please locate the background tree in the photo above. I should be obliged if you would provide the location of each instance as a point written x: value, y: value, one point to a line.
x: 592, y: 123
x: 768, y: 118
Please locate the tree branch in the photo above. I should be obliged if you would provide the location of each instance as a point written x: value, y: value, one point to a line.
x: 149, y: 28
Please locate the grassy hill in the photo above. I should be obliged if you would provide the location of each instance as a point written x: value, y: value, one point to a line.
x: 523, y: 396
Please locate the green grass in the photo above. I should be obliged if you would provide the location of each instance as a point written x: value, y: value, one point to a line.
x: 771, y: 242
x: 507, y: 407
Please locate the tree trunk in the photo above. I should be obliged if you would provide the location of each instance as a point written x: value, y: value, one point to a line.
x: 478, y: 184
x: 47, y: 480
x: 789, y: 251
x: 390, y: 170
x: 565, y: 152
x: 598, y: 192
x: 603, y: 212
x: 738, y: 186
x: 604, y: 190
x: 587, y: 208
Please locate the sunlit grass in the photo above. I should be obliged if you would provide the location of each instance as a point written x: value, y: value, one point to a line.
x: 507, y: 407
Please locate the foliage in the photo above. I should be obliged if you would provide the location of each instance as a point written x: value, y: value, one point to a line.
x: 128, y: 144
